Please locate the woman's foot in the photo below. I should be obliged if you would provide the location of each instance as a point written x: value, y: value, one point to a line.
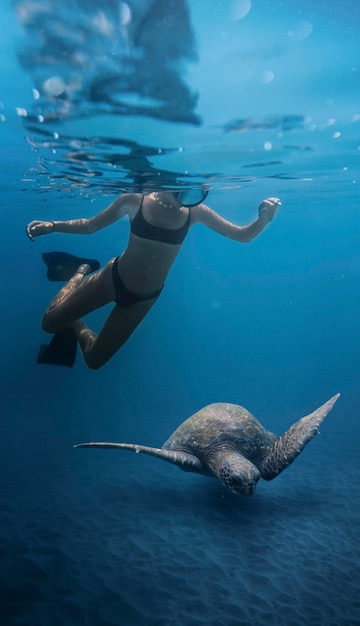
x: 84, y: 269
x: 62, y: 266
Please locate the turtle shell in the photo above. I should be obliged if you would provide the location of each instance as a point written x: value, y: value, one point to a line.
x: 222, y: 425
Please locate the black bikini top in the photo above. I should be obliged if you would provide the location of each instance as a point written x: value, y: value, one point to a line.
x: 141, y: 228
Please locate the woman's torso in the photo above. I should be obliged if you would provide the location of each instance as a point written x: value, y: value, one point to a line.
x: 155, y: 240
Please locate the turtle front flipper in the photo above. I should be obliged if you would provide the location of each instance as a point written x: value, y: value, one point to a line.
x: 186, y: 461
x: 287, y: 447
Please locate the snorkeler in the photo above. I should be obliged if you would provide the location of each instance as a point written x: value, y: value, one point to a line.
x: 159, y: 223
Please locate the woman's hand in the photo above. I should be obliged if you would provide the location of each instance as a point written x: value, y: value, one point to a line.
x: 268, y: 208
x: 37, y: 228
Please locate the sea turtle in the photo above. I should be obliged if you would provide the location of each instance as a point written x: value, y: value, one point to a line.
x: 227, y: 442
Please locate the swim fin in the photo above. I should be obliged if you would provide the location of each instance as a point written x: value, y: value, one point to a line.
x: 63, y: 266
x: 61, y: 349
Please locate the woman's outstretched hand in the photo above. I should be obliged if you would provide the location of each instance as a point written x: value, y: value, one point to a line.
x: 268, y: 208
x: 37, y: 228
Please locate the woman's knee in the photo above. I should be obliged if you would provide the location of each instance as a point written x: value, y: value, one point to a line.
x: 48, y: 323
x: 94, y: 353
x: 94, y: 363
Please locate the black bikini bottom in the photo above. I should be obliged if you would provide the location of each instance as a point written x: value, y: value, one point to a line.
x: 124, y: 297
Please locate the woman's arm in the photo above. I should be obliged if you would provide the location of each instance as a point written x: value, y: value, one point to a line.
x: 204, y: 215
x: 127, y: 203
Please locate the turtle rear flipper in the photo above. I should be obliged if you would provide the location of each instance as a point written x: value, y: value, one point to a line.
x: 287, y: 447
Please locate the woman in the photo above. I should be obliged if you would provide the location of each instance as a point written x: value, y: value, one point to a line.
x: 134, y: 280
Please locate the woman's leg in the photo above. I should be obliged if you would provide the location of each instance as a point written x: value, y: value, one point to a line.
x: 121, y: 323
x: 79, y: 297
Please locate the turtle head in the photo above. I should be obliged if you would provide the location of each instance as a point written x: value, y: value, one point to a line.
x: 237, y: 473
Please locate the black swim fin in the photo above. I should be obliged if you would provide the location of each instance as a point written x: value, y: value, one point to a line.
x: 61, y: 349
x: 63, y: 266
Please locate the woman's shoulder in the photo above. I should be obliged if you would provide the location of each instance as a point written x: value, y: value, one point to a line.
x: 129, y: 203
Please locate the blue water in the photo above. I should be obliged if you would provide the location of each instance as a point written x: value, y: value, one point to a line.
x: 256, y: 99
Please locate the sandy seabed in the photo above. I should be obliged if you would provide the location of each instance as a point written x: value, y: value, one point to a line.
x: 118, y: 539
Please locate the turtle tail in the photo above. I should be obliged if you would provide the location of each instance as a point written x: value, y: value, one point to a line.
x: 184, y: 460
x: 287, y: 447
